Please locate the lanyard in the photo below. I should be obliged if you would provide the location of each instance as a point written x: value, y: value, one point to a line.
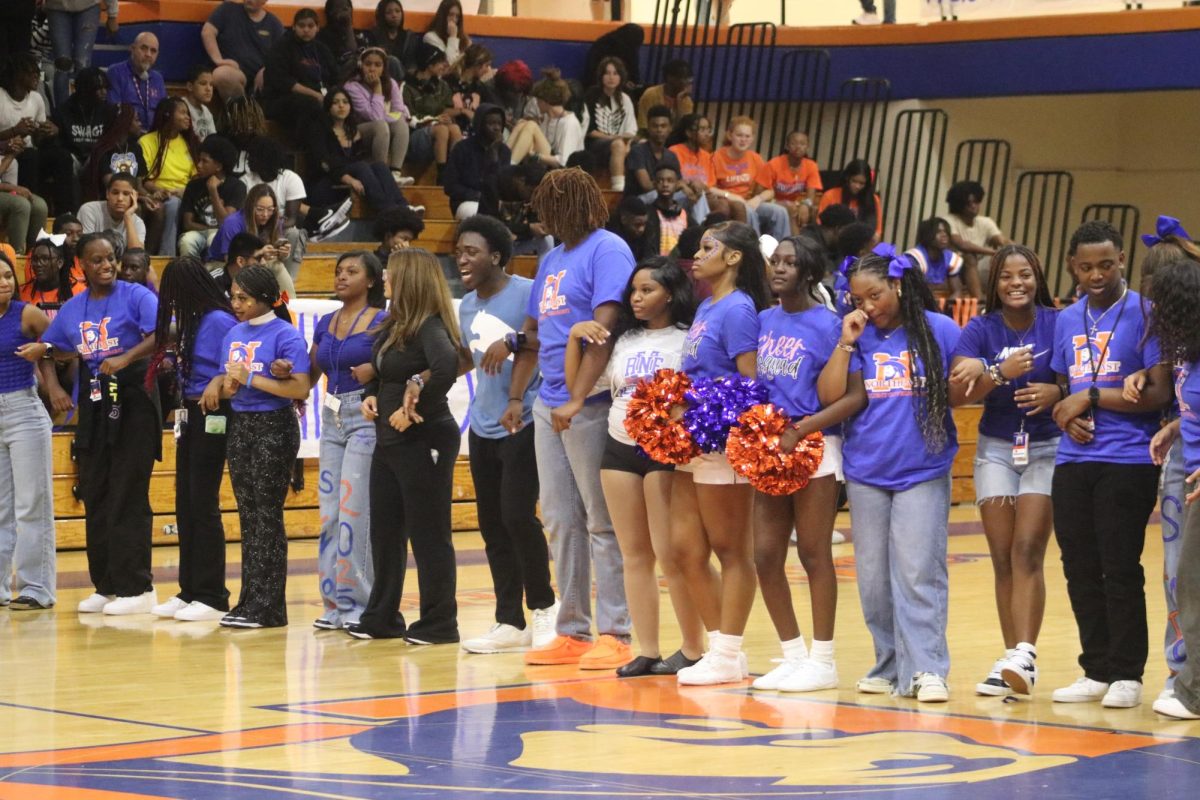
x: 103, y: 313
x: 336, y: 357
x: 1097, y: 363
x: 137, y: 88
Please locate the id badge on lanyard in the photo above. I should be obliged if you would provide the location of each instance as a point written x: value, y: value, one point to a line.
x: 1020, y: 451
x: 94, y: 393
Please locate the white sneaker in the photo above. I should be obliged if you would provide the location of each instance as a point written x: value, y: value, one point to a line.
x: 1020, y: 671
x: 931, y: 688
x: 1165, y: 694
x: 1083, y: 690
x: 418, y: 210
x: 94, y: 603
x: 812, y: 676
x: 198, y: 612
x: 994, y: 685
x: 544, y: 620
x: 873, y: 686
x: 1172, y: 707
x: 712, y: 669
x: 168, y: 609
x: 838, y: 537
x: 402, y: 180
x: 770, y: 682
x: 137, y: 604
x: 500, y: 638
x: 743, y: 664
x: 866, y: 18
x: 1123, y: 694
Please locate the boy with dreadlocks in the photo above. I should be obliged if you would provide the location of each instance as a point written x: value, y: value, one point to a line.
x: 897, y: 458
x: 581, y: 279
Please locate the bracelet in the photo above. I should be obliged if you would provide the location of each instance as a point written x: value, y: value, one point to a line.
x: 849, y: 348
x: 249, y: 379
x: 418, y: 380
x: 516, y: 399
x: 997, y: 376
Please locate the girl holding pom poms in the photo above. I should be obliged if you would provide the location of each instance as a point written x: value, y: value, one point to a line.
x: 795, y: 341
x: 898, y: 451
x: 710, y: 504
x: 656, y: 309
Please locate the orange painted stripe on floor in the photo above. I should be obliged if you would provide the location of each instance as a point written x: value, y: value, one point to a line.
x: 183, y: 746
x: 33, y: 791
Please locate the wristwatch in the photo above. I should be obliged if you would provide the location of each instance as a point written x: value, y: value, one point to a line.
x: 1094, y: 396
x: 515, y: 341
x: 49, y: 350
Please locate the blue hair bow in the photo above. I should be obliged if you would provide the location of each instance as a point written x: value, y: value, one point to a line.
x: 1166, y: 226
x: 898, y: 263
x: 844, y: 267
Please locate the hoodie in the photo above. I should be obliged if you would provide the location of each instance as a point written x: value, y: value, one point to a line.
x: 472, y: 165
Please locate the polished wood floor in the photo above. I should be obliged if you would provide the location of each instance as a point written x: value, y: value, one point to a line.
x: 133, y: 707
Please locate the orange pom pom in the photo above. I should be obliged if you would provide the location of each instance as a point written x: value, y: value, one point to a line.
x: 648, y: 418
x: 754, y: 452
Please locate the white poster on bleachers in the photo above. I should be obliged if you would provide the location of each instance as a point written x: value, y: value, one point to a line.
x: 307, y: 312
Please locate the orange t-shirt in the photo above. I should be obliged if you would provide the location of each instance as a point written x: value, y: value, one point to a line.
x: 696, y: 167
x: 793, y: 184
x: 739, y: 175
x: 834, y: 196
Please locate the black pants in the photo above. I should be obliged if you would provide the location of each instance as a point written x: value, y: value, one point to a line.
x: 1100, y: 515
x: 506, y: 492
x: 262, y: 454
x: 410, y: 501
x: 47, y: 170
x: 292, y: 111
x: 199, y: 465
x: 16, y: 26
x: 114, y: 484
x: 378, y: 185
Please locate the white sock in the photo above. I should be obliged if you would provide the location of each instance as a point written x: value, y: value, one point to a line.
x: 618, y: 183
x: 795, y: 649
x: 821, y: 651
x: 713, y: 638
x: 1028, y: 648
x: 727, y: 645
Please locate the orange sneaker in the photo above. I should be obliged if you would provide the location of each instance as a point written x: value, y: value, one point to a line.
x: 562, y: 650
x: 609, y: 652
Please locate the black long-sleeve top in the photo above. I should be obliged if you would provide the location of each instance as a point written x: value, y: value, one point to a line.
x: 291, y: 61
x: 326, y: 157
x: 431, y: 349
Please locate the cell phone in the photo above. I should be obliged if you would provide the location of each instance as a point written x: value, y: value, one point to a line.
x: 281, y: 242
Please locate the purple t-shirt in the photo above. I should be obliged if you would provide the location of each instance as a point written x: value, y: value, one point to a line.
x: 1119, y: 437
x: 98, y: 328
x: 208, y: 357
x: 569, y: 287
x: 337, y: 356
x: 1187, y: 394
x: 884, y: 447
x: 792, y: 351
x: 260, y: 345
x: 721, y: 332
x: 987, y: 337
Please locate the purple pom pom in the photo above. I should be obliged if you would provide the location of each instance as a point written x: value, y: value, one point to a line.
x: 714, y: 405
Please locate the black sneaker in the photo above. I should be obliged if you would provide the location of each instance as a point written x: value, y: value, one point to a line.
x: 27, y: 603
x: 422, y: 639
x: 672, y: 664
x: 994, y: 685
x: 642, y: 665
x: 358, y: 631
x: 322, y: 624
x: 321, y: 236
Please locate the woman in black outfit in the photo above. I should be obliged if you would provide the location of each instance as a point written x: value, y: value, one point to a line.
x: 416, y: 355
x: 299, y: 67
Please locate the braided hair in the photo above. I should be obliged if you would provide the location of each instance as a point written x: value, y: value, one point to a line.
x: 1175, y: 300
x: 186, y: 293
x: 65, y: 281
x: 931, y: 401
x: 1041, y: 295
x: 162, y: 118
x: 570, y: 203
x: 260, y: 284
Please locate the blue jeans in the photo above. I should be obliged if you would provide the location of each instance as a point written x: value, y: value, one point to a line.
x: 770, y: 218
x: 170, y: 234
x: 576, y: 517
x: 26, y: 498
x: 889, y: 9
x: 72, y: 35
x: 900, y: 557
x: 344, y: 566
x: 1170, y: 495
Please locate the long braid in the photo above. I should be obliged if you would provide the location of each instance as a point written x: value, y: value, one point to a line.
x: 186, y: 293
x: 570, y: 203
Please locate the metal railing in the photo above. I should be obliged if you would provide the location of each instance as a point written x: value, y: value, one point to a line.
x: 1128, y: 220
x: 801, y: 86
x: 859, y: 124
x: 985, y: 161
x: 680, y: 27
x: 734, y: 77
x: 1041, y: 217
x: 912, y: 177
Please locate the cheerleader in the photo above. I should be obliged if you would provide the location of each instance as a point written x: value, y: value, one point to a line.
x: 1003, y: 359
x: 264, y: 438
x: 710, y: 503
x: 898, y: 453
x: 795, y: 341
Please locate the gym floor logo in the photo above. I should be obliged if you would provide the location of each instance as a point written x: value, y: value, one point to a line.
x: 607, y: 738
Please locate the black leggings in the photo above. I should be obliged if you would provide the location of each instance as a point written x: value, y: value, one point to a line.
x: 199, y: 467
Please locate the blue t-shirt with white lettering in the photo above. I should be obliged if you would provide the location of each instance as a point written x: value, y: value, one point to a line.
x: 884, y: 447
x: 721, y: 332
x: 260, y: 345
x: 484, y: 321
x: 1187, y: 394
x: 101, y: 327
x: 570, y: 286
x: 987, y: 337
x: 208, y: 357
x: 792, y: 351
x: 336, y: 357
x: 1118, y: 437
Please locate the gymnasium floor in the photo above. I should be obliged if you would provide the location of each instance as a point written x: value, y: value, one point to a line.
x: 105, y: 708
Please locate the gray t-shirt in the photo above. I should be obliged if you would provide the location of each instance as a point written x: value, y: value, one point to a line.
x: 94, y: 218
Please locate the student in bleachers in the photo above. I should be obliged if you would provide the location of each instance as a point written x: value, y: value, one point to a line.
x: 503, y: 464
x: 898, y: 345
x: 110, y: 329
x: 83, y: 117
x: 610, y: 121
x: 644, y: 157
x: 856, y: 191
x: 22, y: 212
x: 263, y: 438
x: 341, y: 351
x: 198, y: 99
x: 135, y: 268
x: 674, y: 93
x: 632, y: 221
x: 559, y: 127
x: 210, y: 197
x: 193, y: 317
x: 475, y: 163
x: 512, y: 84
x: 400, y: 44
x: 975, y: 236
x: 244, y: 122
x: 339, y: 37
x: 447, y: 31
x: 472, y: 84
x: 511, y: 205
x: 116, y: 213
x: 300, y: 71
x: 430, y: 103
x: 42, y: 166
x: 68, y: 225
x: 942, y: 267
x: 796, y: 180
x: 396, y: 229
x: 246, y: 250
x: 691, y: 142
x: 671, y: 216
x: 743, y: 181
x: 261, y: 218
x: 50, y: 279
x: 73, y: 27
x: 237, y: 37
x: 416, y: 356
x: 135, y: 82
x: 379, y: 103
x: 117, y: 151
x: 1003, y: 359
x: 26, y: 481
x: 170, y: 151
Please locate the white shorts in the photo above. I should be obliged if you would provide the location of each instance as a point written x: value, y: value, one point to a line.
x: 831, y: 461
x: 711, y: 468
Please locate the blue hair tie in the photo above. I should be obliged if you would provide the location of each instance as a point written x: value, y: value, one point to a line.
x: 1166, y: 226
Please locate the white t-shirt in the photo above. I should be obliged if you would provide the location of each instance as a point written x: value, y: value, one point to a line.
x: 978, y: 233
x: 564, y: 133
x: 12, y: 112
x: 202, y: 120
x: 287, y: 185
x: 638, y: 354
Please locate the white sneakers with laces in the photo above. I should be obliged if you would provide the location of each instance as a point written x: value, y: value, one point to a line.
x: 931, y: 688
x: 94, y: 603
x: 994, y: 685
x: 712, y: 668
x: 196, y: 611
x: 137, y: 604
x: 1083, y: 690
x: 770, y: 682
x: 544, y: 620
x: 811, y: 676
x: 1019, y: 671
x: 1123, y: 694
x: 168, y: 609
x: 500, y: 638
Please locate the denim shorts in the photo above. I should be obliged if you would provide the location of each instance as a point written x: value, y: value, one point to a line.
x: 997, y: 476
